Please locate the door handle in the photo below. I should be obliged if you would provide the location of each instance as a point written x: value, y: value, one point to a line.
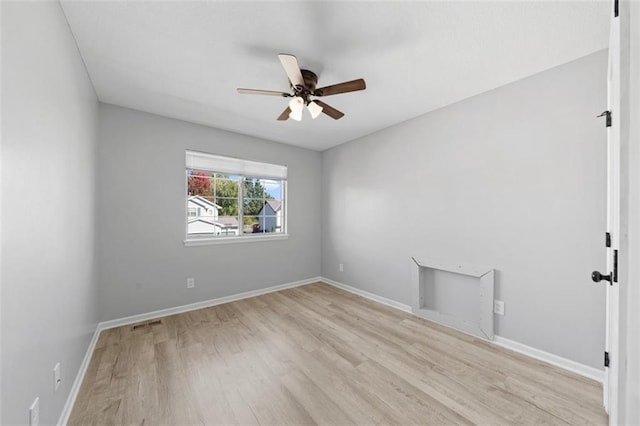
x: 597, y: 277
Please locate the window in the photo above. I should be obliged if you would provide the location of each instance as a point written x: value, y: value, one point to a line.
x: 233, y: 199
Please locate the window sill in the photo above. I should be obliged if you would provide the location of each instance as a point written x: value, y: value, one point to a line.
x: 233, y: 240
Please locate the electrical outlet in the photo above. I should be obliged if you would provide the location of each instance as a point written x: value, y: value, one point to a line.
x: 34, y: 413
x: 191, y: 282
x: 498, y: 307
x: 341, y: 267
x: 56, y: 377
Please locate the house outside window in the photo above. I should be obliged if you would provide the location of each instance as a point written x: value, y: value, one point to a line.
x: 270, y: 216
x: 233, y: 199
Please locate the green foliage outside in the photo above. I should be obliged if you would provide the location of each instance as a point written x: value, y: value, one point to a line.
x: 226, y: 192
x: 219, y: 189
x: 254, y: 196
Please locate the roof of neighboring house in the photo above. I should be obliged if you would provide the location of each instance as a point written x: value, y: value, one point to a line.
x: 274, y: 204
x: 203, y: 202
x: 229, y: 221
x: 221, y: 221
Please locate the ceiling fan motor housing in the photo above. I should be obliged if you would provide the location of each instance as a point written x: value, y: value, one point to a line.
x: 310, y: 81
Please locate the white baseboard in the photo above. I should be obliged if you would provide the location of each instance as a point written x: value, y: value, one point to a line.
x: 75, y: 388
x: 367, y: 295
x: 552, y: 359
x: 558, y: 361
x: 199, y: 305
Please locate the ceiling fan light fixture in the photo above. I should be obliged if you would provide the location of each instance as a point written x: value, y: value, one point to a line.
x: 296, y: 105
x: 296, y: 115
x: 302, y: 84
x: 314, y: 109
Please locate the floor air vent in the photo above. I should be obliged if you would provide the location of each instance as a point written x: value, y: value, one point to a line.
x: 146, y: 324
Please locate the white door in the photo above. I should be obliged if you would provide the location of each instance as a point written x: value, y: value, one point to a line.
x: 612, y: 116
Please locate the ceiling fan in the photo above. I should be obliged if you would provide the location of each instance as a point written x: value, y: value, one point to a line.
x: 303, y: 87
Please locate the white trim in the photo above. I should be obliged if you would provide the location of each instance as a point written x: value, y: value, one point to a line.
x: 1, y: 186
x: 564, y: 363
x: 549, y: 358
x: 483, y: 328
x: 558, y: 361
x: 614, y: 226
x: 232, y: 240
x: 471, y: 270
x: 105, y: 325
x: 204, y: 304
x: 367, y: 295
x: 75, y: 388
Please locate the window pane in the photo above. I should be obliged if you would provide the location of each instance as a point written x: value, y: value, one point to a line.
x: 252, y: 206
x: 214, y: 208
x: 263, y: 188
x: 251, y: 225
x: 262, y: 205
x: 262, y: 224
x: 212, y: 226
x: 234, y: 178
x: 212, y: 204
x: 199, y: 183
x: 227, y: 206
x: 225, y: 189
x: 272, y: 189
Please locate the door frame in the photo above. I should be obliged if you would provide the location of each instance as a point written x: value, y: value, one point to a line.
x: 612, y: 339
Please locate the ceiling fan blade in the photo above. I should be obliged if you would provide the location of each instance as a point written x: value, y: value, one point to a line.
x: 291, y: 67
x: 347, y: 86
x: 329, y: 110
x: 263, y: 92
x: 285, y: 114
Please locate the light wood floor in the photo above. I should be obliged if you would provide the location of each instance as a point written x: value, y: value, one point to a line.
x: 316, y: 354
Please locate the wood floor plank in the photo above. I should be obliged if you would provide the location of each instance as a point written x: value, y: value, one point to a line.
x: 318, y: 355
x: 321, y: 408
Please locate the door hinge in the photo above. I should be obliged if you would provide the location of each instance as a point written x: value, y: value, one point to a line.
x: 606, y: 359
x: 606, y: 114
x: 615, y: 266
x: 616, y: 8
x: 607, y: 240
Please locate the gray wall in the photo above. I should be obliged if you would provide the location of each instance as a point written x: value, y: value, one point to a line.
x: 512, y: 179
x: 141, y: 216
x: 49, y: 133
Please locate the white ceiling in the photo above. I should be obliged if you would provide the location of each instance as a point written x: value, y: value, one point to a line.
x: 185, y: 59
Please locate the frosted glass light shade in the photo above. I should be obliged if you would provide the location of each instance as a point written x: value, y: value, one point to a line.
x: 296, y: 105
x: 314, y: 109
x: 296, y: 115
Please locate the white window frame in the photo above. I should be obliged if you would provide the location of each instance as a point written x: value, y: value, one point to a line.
x: 212, y: 163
